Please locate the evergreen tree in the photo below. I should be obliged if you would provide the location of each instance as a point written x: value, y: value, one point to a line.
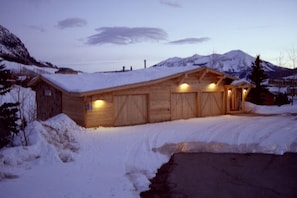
x: 8, y: 111
x: 257, y: 77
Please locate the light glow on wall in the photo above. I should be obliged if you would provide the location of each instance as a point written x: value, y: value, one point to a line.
x: 229, y: 92
x: 184, y: 86
x: 98, y: 104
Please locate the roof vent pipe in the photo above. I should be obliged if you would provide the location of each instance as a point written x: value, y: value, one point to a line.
x: 144, y: 63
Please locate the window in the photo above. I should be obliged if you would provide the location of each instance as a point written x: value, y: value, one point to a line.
x: 47, y: 92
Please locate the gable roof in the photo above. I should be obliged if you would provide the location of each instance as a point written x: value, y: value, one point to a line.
x: 83, y: 84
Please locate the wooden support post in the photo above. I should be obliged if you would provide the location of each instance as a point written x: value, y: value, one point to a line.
x: 243, y: 95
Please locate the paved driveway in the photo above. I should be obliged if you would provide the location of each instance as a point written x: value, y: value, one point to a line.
x: 226, y: 175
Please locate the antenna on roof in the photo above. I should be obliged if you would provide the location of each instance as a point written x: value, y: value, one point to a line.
x: 144, y: 63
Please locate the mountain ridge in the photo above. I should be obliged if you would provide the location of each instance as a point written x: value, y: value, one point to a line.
x: 14, y: 50
x: 235, y: 62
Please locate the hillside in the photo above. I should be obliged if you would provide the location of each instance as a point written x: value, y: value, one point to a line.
x: 236, y: 62
x: 13, y: 49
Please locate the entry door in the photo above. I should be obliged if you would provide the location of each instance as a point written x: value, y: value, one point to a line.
x: 212, y: 104
x: 130, y: 109
x: 183, y: 105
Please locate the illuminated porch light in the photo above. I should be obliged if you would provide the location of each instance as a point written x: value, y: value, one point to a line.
x: 244, y: 91
x: 229, y: 92
x: 184, y: 86
x: 99, y: 103
x: 212, y: 85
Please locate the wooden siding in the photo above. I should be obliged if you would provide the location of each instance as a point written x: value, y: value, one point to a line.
x: 49, y: 101
x: 159, y: 103
x: 99, y: 114
x: 74, y: 108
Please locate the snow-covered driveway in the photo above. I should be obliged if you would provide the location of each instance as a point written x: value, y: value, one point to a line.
x: 117, y: 162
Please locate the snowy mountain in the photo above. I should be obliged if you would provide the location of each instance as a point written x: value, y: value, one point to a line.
x: 236, y: 62
x: 13, y: 49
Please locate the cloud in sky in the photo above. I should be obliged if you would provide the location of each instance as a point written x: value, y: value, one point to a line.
x: 71, y: 23
x: 38, y: 28
x: 190, y: 41
x: 126, y: 35
x: 170, y: 3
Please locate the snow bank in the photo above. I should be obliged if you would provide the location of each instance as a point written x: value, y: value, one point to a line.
x: 18, y: 67
x: 60, y: 132
x: 51, y: 141
x: 268, y: 110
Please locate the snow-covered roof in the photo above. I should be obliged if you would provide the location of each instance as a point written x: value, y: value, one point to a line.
x: 90, y: 82
x: 241, y: 82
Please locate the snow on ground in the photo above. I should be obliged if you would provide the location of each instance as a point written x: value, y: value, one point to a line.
x: 65, y: 160
x: 18, y: 67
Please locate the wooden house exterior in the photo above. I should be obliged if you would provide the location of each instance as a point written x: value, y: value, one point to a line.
x: 194, y: 93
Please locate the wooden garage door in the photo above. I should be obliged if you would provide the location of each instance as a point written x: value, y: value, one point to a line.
x: 130, y: 109
x: 212, y: 104
x: 183, y: 105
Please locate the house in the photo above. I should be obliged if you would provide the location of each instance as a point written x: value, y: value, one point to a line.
x: 150, y: 95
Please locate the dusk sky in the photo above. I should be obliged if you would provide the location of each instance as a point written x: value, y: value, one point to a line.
x: 97, y: 35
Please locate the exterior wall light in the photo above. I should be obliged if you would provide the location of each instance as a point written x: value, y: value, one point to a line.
x: 212, y: 85
x: 184, y: 86
x: 98, y: 104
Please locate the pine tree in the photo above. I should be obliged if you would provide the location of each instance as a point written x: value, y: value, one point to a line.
x: 8, y: 111
x: 257, y: 77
